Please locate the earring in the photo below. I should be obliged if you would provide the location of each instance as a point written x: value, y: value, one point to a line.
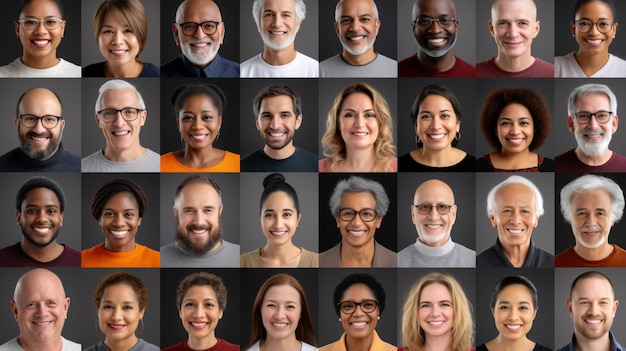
x: 339, y: 319
x: 457, y: 136
x: 378, y: 317
x: 97, y: 326
x: 218, y: 135
x: 140, y: 334
x: 417, y: 139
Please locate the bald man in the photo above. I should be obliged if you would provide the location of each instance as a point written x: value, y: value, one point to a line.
x: 199, y: 32
x: 40, y: 308
x: 39, y: 122
x: 434, y: 213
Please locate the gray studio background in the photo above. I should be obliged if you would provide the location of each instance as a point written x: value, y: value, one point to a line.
x: 229, y: 185
x: 147, y: 231
x: 92, y: 137
x: 542, y: 45
x: 542, y: 331
x: 385, y: 41
x: 463, y: 229
x: 563, y: 325
x: 486, y: 234
x: 409, y: 277
x: 330, y: 88
x: 89, y: 279
x: 90, y: 51
x: 305, y: 137
x: 71, y: 229
x: 465, y: 46
x: 69, y: 48
x: 306, y: 40
x: 68, y: 90
x: 230, y: 17
x: 542, y: 86
x: 465, y: 91
x: 251, y: 189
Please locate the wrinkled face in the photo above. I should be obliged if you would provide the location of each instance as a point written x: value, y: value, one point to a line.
x: 200, y: 312
x: 119, y: 222
x: 594, y: 42
x: 200, y: 49
x: 199, y: 122
x: 117, y: 42
x: 514, y: 312
x: 515, y: 128
x: 436, y: 125
x: 592, y: 218
x: 436, y: 312
x: 119, y: 313
x: 359, y: 324
x: 358, y: 122
x: 40, y: 44
x: 592, y: 307
x: 121, y: 135
x: 433, y: 228
x: 280, y: 312
x: 277, y: 122
x: 357, y: 233
x: 593, y: 138
x: 279, y: 218
x: 39, y: 142
x: 278, y: 25
x: 358, y: 26
x: 515, y: 215
x: 198, y: 223
x: 40, y: 218
x: 435, y: 41
x: 514, y: 25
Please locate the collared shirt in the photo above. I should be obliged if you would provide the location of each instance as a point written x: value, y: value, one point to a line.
x: 219, y: 67
x: 615, y: 346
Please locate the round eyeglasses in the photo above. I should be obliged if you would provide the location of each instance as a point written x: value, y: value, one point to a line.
x: 190, y: 28
x: 47, y: 121
x: 129, y: 114
x: 33, y: 23
x: 349, y: 307
x: 366, y: 214
x: 584, y: 117
x: 584, y: 26
x: 425, y: 209
x: 425, y: 21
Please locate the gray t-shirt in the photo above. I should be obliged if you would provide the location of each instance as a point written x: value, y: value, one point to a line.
x: 150, y: 161
x: 381, y: 67
x: 13, y: 345
x: 227, y: 255
x: 142, y: 345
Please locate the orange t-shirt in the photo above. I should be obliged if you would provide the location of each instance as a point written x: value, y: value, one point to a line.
x: 230, y: 163
x: 99, y: 257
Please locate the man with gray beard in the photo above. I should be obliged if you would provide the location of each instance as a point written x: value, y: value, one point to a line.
x: 39, y: 122
x: 592, y: 117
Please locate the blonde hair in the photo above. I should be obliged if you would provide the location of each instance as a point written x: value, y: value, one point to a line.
x: 333, y: 144
x: 413, y: 336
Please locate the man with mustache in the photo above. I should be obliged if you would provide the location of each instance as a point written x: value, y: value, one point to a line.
x: 198, y: 210
x: 434, y: 26
x: 39, y: 124
x: 357, y: 25
x: 592, y: 204
x: 199, y: 31
x: 592, y: 117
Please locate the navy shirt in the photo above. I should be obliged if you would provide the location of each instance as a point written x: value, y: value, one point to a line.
x: 615, y: 346
x: 219, y: 68
x: 97, y: 70
x: 61, y: 161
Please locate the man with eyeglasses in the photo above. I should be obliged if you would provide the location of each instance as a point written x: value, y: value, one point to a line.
x: 120, y: 114
x: 199, y: 31
x: 434, y: 27
x: 358, y: 205
x: 39, y: 124
x: 433, y: 213
x: 592, y: 117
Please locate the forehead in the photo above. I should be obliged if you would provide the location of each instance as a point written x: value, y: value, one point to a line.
x: 356, y: 99
x: 278, y: 198
x: 521, y: 9
x: 125, y: 97
x: 515, y: 192
x: 198, y: 99
x: 591, y: 197
x: 203, y: 10
x: 279, y: 5
x: 201, y: 194
x: 597, y: 9
x: 40, y: 285
x: 206, y: 290
x: 41, y: 7
x: 593, y: 287
x: 40, y: 193
x: 41, y: 99
x: 515, y: 291
x: 363, y: 198
x: 123, y: 197
x: 120, y: 291
x: 285, y: 291
x: 595, y: 99
x: 435, y: 8
x: 436, y: 101
x: 435, y: 191
x: 280, y: 101
x: 360, y: 6
x: 437, y: 290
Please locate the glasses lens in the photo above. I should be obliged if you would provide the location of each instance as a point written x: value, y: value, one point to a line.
x: 602, y: 117
x: 347, y: 214
x: 49, y: 121
x: 209, y: 28
x: 424, y: 21
x: 368, y: 305
x: 347, y: 307
x: 367, y: 215
x: 129, y: 114
x: 189, y: 28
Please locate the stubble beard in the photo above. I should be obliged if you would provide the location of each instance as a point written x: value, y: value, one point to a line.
x: 36, y: 243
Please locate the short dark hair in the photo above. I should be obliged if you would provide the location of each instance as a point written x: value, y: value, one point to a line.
x: 277, y: 90
x: 39, y: 182
x: 113, y: 187
x: 201, y: 279
x: 359, y: 278
x: 445, y: 92
x: 609, y: 3
x: 23, y: 4
x: 140, y: 288
x: 587, y: 275
x: 276, y: 182
x: 212, y: 91
x: 512, y: 280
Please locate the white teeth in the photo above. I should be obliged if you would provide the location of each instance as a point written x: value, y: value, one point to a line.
x: 516, y: 141
x: 121, y: 133
x: 515, y: 231
x: 436, y: 323
x: 279, y: 233
x: 199, y: 137
x: 118, y: 52
x: 433, y: 226
x: 279, y: 325
x: 357, y: 232
x: 360, y: 37
x: 436, y: 41
x: 513, y: 326
x: 593, y: 321
x: 40, y: 42
x: 119, y: 233
x: 437, y: 136
x: 276, y: 134
x: 360, y: 133
x: 594, y: 42
x: 199, y: 45
x: 199, y: 324
x: 43, y: 323
x: 42, y: 230
x: 199, y: 231
x: 359, y: 324
x: 278, y: 33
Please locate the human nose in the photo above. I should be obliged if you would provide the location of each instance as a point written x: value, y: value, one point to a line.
x: 197, y: 123
x: 435, y: 26
x: 433, y: 213
x: 38, y: 127
x: 119, y: 120
x: 199, y: 33
x: 593, y: 122
x: 516, y: 217
x: 435, y: 123
x: 275, y: 122
x: 40, y: 27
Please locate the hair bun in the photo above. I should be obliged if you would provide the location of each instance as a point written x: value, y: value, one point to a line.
x: 274, y: 177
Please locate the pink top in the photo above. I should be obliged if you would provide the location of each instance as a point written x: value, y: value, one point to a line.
x: 323, y: 165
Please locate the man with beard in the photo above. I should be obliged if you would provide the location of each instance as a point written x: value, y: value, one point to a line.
x: 39, y: 124
x: 434, y: 213
x: 592, y: 117
x: 278, y: 22
x: 357, y: 25
x: 592, y: 307
x: 434, y: 26
x: 40, y: 204
x: 199, y: 31
x: 278, y: 113
x: 592, y: 204
x: 198, y: 210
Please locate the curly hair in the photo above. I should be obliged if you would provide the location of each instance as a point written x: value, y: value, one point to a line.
x: 139, y: 287
x: 333, y: 144
x: 201, y: 279
x: 499, y: 99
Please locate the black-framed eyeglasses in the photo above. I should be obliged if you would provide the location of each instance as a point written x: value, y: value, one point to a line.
x: 425, y: 21
x: 584, y: 26
x: 47, y: 121
x: 349, y: 307
x: 366, y: 214
x: 190, y: 28
x: 425, y: 209
x: 129, y: 114
x: 584, y: 117
x: 33, y: 23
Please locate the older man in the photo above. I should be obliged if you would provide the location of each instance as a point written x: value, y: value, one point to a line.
x: 514, y: 207
x: 592, y: 204
x: 434, y: 213
x: 357, y: 24
x: 199, y: 31
x: 592, y: 117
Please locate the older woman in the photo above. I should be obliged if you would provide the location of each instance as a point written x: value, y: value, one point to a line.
x: 515, y: 122
x: 120, y: 27
x: 594, y: 29
x: 198, y: 110
x: 436, y: 117
x: 118, y: 206
x: 359, y: 133
x: 201, y: 301
x: 514, y: 308
x: 359, y: 298
x: 281, y: 318
x: 121, y: 300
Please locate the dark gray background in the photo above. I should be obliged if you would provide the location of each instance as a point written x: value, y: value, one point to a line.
x: 251, y: 189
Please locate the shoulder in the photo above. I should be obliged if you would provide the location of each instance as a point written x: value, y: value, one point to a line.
x: 150, y: 70
x: 94, y: 70
x: 323, y: 165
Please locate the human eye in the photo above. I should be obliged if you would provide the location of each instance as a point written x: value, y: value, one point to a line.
x: 188, y: 27
x: 107, y: 214
x: 208, y: 210
x: 347, y: 213
x: 52, y: 211
x: 502, y: 23
x: 370, y: 115
x: 503, y: 307
x: 50, y: 22
x: 29, y: 119
x: 209, y: 26
x: 348, y: 306
x: 128, y: 31
x: 268, y: 14
x: 189, y: 304
x: 349, y: 115
x: 209, y: 305
x: 424, y: 21
x: 128, y: 308
x: 129, y: 112
x: 106, y: 307
x: 505, y: 123
x: 425, y: 305
x: 270, y: 305
x: 368, y: 214
x: 446, y: 304
x: 189, y: 211
x: 369, y: 304
x: 287, y: 214
x: 51, y: 303
x: 365, y: 19
x: 31, y: 211
x: 584, y: 23
x: 269, y: 215
x: 207, y: 118
x: 445, y: 21
x: 522, y: 23
x: 285, y: 115
x: 426, y: 116
x: 129, y: 214
x: 601, y: 214
x: 581, y: 214
x: 31, y: 22
x: 286, y: 15
x: 604, y: 24
x: 49, y: 119
x: 109, y: 113
x: 425, y: 208
x: 291, y: 307
x: 445, y: 116
x: 187, y: 118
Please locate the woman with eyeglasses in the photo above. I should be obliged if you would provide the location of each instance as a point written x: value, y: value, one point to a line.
x: 359, y: 300
x: 594, y: 29
x: 198, y: 110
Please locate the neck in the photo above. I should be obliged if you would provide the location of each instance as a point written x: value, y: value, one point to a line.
x: 361, y: 344
x: 53, y: 345
x: 439, y: 343
x: 437, y: 158
x: 593, y: 160
x: 286, y: 344
x: 127, y: 155
x: 200, y: 158
x: 202, y: 343
x: 514, y: 64
x: 279, y: 57
x: 42, y: 253
x: 595, y: 254
x: 359, y: 60
x: 590, y: 63
x: 129, y: 70
x: 585, y: 344
x: 359, y: 160
x: 516, y: 254
x: 501, y: 343
x: 282, y: 253
x: 121, y: 345
x: 280, y: 154
x: 436, y: 64
x: 361, y: 256
x: 514, y: 160
x: 126, y: 248
x: 40, y: 62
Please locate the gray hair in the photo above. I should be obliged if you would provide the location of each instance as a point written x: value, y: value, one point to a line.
x: 338, y: 11
x: 117, y: 84
x: 590, y: 182
x: 257, y: 11
x: 357, y: 184
x: 515, y: 179
x: 587, y: 89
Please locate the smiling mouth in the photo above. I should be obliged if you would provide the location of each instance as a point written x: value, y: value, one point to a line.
x: 121, y: 133
x: 357, y: 232
x: 359, y: 325
x: 513, y: 327
x: 42, y: 231
x: 199, y: 136
x: 116, y: 327
x: 515, y: 231
x: 278, y: 232
x: 594, y: 42
x: 42, y: 324
x: 119, y: 233
x: 437, y: 137
x: 433, y: 226
x: 437, y: 41
x: 359, y: 134
x: 118, y: 52
x: 41, y: 42
x: 515, y: 141
x: 436, y: 324
x: 593, y: 322
x: 199, y: 325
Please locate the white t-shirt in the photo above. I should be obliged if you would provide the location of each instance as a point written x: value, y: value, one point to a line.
x: 567, y: 67
x: 305, y: 347
x: 301, y: 67
x: 17, y: 69
x: 13, y: 345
